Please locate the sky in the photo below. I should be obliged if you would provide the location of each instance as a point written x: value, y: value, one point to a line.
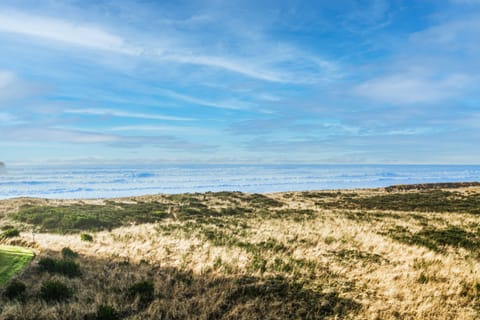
x: 145, y: 81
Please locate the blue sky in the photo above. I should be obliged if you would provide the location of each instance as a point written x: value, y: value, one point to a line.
x: 240, y: 81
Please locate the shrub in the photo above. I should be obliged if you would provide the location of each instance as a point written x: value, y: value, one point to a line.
x: 67, y: 268
x: 106, y: 313
x: 144, y: 290
x: 10, y: 233
x: 68, y: 253
x: 54, y: 290
x: 47, y: 264
x: 15, y: 290
x: 86, y: 237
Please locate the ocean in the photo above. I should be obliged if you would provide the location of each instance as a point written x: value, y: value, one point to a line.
x: 105, y: 181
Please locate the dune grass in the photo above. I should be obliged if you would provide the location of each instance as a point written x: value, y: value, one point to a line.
x: 12, y: 261
x: 363, y: 254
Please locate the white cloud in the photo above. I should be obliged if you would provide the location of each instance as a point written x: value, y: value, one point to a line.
x: 229, y: 64
x: 458, y: 34
x: 55, y: 134
x: 6, y: 79
x: 179, y: 49
x: 7, y: 118
x: 126, y: 114
x: 63, y: 31
x: 164, y: 128
x: 412, y: 88
x: 12, y: 88
x: 186, y: 98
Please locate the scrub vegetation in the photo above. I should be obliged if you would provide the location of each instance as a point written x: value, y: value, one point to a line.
x: 394, y: 253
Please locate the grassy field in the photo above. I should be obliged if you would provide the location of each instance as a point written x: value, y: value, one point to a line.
x: 357, y: 254
x: 12, y: 261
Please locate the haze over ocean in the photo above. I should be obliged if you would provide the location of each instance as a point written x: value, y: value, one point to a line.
x: 117, y: 180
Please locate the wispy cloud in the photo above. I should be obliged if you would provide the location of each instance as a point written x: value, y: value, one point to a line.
x: 97, y: 37
x: 164, y: 128
x: 235, y: 105
x: 27, y: 134
x: 412, y: 88
x: 124, y: 114
x: 63, y: 31
x: 13, y: 88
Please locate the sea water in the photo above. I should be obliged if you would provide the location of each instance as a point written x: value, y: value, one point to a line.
x: 100, y: 181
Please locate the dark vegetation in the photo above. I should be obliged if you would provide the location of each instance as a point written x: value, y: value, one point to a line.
x: 9, y: 233
x: 106, y: 313
x: 144, y: 291
x: 422, y: 201
x: 15, y: 290
x: 86, y: 237
x: 87, y: 217
x: 427, y: 186
x: 438, y: 239
x: 292, y: 298
x: 55, y: 291
x: 68, y: 253
x: 80, y: 217
x: 64, y: 267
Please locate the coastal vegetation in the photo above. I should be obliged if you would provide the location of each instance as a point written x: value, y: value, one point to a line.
x: 358, y: 254
x: 12, y: 260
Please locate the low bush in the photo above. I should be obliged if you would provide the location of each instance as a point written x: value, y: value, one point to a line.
x: 64, y: 267
x: 10, y: 233
x: 106, y: 313
x: 15, y: 290
x: 54, y: 290
x: 68, y: 253
x: 144, y: 290
x: 86, y: 237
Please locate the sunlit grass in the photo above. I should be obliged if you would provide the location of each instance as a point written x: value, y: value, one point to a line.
x: 12, y: 261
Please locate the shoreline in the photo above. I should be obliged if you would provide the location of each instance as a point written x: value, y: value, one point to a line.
x: 390, y: 188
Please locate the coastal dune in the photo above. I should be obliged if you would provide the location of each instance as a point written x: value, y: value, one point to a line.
x: 386, y: 253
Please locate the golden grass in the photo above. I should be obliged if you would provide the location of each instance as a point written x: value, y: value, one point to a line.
x: 329, y: 263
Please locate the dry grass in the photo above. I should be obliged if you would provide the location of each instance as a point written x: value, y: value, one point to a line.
x: 297, y: 257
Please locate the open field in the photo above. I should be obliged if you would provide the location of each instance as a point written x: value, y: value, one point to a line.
x: 12, y: 260
x: 355, y: 254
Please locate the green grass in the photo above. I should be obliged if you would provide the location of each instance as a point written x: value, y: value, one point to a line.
x: 422, y: 201
x: 81, y: 217
x: 12, y: 260
x: 438, y: 239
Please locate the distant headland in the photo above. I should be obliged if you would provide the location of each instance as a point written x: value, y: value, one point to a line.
x: 2, y: 164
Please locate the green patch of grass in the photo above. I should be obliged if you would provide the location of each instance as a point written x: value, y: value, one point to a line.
x: 352, y: 255
x: 86, y: 217
x: 86, y: 237
x: 423, y: 201
x: 261, y: 201
x: 12, y: 261
x: 10, y: 233
x: 297, y: 215
x: 438, y: 239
